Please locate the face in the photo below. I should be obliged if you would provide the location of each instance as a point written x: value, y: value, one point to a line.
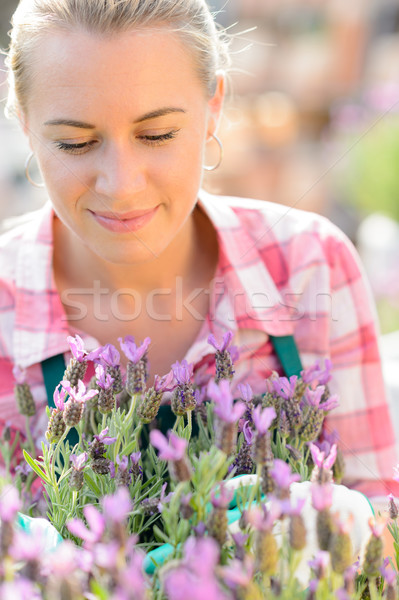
x: 118, y: 125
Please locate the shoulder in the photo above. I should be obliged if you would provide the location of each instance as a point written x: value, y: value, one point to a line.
x: 297, y: 234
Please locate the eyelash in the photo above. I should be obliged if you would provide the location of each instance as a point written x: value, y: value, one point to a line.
x: 150, y: 140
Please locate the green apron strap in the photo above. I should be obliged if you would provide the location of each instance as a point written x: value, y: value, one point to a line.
x: 287, y: 353
x: 53, y: 369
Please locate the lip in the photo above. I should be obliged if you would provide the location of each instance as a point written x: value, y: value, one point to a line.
x: 124, y: 222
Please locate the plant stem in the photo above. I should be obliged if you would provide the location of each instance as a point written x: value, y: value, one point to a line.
x: 177, y: 422
x: 190, y: 422
x: 31, y: 444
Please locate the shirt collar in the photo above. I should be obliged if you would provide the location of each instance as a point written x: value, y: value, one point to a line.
x: 250, y: 298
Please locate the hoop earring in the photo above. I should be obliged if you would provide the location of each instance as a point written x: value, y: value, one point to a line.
x: 27, y: 175
x: 219, y: 143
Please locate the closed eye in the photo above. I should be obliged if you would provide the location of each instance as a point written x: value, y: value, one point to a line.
x: 75, y: 148
x: 157, y: 140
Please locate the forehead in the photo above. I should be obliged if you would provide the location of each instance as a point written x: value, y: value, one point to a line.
x: 71, y: 68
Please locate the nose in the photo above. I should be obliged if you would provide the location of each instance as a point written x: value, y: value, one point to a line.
x: 120, y: 172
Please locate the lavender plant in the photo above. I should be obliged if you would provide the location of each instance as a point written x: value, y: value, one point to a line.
x: 217, y: 505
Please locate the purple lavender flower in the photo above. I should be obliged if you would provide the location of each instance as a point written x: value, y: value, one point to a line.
x: 376, y: 528
x: 80, y: 394
x: 133, y: 352
x: 225, y: 408
x: 264, y: 518
x: 135, y: 457
x: 227, y: 338
x: 224, y: 358
x: 117, y: 506
x: 164, y: 498
x: 388, y: 574
x: 322, y: 496
x: 123, y: 462
x: 316, y: 374
x: 320, y: 459
x: 183, y: 372
x: 222, y: 496
x: 392, y: 507
x: 59, y: 398
x: 312, y: 397
x: 136, y: 469
x: 79, y: 461
x: 96, y: 526
x: 248, y: 433
x: 263, y: 418
x: 104, y: 438
x: 77, y: 347
x: 320, y: 563
x: 238, y: 573
x: 172, y: 448
x: 284, y: 387
x: 109, y: 356
x: 132, y: 578
x: 245, y: 391
x: 19, y: 374
x: 26, y: 547
x: 20, y: 589
x: 63, y: 560
x: 165, y: 383
x: 282, y: 474
x: 104, y: 379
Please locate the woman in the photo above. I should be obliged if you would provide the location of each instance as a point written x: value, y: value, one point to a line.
x: 120, y: 101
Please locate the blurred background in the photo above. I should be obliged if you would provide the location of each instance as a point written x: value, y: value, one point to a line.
x: 312, y: 122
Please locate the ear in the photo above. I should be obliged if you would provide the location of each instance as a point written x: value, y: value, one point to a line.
x: 215, y: 105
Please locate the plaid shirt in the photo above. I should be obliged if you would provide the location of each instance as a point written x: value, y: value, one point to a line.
x: 280, y: 272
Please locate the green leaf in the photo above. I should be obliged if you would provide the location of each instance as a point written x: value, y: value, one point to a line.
x: 98, y: 590
x: 160, y: 535
x: 92, y: 484
x: 129, y: 448
x: 34, y: 466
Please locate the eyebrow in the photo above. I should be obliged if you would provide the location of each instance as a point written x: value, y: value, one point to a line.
x: 160, y: 112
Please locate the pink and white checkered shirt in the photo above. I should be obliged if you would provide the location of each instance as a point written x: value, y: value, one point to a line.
x: 280, y: 272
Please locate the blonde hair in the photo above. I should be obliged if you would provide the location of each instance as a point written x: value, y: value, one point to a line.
x: 190, y: 19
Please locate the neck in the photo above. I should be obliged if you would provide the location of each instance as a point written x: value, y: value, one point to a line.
x: 184, y: 256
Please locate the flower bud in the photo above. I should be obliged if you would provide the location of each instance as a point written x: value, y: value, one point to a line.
x: 56, y: 426
x: 75, y: 371
x: 341, y: 552
x: 312, y: 425
x: 136, y: 376
x: 373, y: 557
x: 224, y: 366
x: 324, y: 528
x: 217, y: 524
x: 72, y: 413
x: 266, y: 552
x: 148, y: 405
x: 25, y: 401
x: 115, y: 373
x: 101, y: 465
x: 76, y: 480
x: 297, y: 532
x: 106, y: 400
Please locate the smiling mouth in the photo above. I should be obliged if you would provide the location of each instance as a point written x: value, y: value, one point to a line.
x: 124, y: 222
